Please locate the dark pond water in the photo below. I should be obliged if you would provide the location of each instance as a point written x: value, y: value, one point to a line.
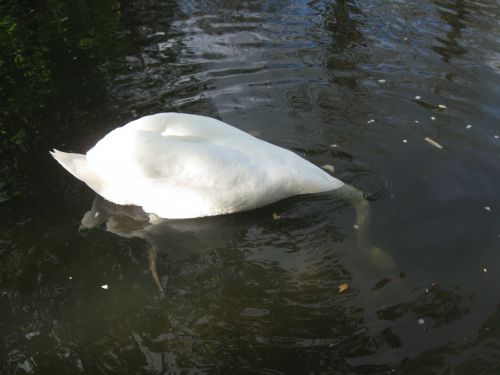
x: 354, y: 84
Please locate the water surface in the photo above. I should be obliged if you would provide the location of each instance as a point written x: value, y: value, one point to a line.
x: 354, y: 84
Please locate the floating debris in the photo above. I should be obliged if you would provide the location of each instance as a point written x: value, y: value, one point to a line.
x: 355, y: 226
x: 382, y: 81
x: 496, y: 136
x: 421, y: 321
x: 343, y: 287
x: 442, y: 106
x: 485, y: 270
x: 417, y: 122
x: 433, y: 143
x: 433, y: 118
x: 418, y: 97
x: 405, y: 141
x: 334, y: 145
x: 276, y: 216
x: 70, y: 277
x: 371, y: 121
x: 487, y: 208
x: 468, y: 126
x: 105, y: 286
x: 328, y: 167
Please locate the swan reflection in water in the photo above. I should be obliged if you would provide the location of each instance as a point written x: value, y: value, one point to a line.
x: 189, y: 235
x: 184, y: 237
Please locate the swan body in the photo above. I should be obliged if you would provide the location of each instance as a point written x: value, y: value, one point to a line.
x: 178, y: 166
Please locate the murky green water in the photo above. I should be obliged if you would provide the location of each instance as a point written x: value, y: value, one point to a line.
x: 355, y: 84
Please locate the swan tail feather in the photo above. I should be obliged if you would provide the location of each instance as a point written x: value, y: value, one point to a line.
x: 77, y: 165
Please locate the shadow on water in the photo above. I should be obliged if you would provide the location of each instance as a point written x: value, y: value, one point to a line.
x: 454, y: 14
x: 54, y: 58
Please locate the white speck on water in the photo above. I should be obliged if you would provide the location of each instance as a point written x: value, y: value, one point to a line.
x: 485, y: 270
x: 487, y: 208
x: 328, y: 167
x: 433, y: 118
x: 105, y: 286
x: 496, y: 136
x: 96, y: 214
x: 79, y: 364
x: 405, y: 141
x: 30, y: 335
x: 421, y: 321
x: 418, y: 97
x: 370, y: 121
x: 405, y: 38
x: 381, y: 80
x: 442, y: 106
x: 27, y: 366
x: 426, y: 290
x: 355, y: 226
x: 468, y: 126
x: 334, y: 146
x: 433, y: 142
x: 70, y: 277
x: 417, y: 122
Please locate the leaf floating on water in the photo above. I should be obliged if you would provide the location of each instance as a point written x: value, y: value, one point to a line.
x: 433, y: 143
x: 328, y: 167
x: 343, y: 287
x: 276, y: 216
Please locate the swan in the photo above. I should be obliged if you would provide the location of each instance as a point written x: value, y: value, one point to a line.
x: 184, y: 166
x: 180, y: 166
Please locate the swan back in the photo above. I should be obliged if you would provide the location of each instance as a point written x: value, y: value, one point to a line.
x: 182, y: 166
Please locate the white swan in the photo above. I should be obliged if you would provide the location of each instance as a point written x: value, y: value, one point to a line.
x: 179, y: 166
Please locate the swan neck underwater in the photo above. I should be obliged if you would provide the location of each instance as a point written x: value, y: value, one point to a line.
x: 179, y: 166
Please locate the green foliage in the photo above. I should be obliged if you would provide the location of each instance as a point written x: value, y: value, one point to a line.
x: 50, y: 51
